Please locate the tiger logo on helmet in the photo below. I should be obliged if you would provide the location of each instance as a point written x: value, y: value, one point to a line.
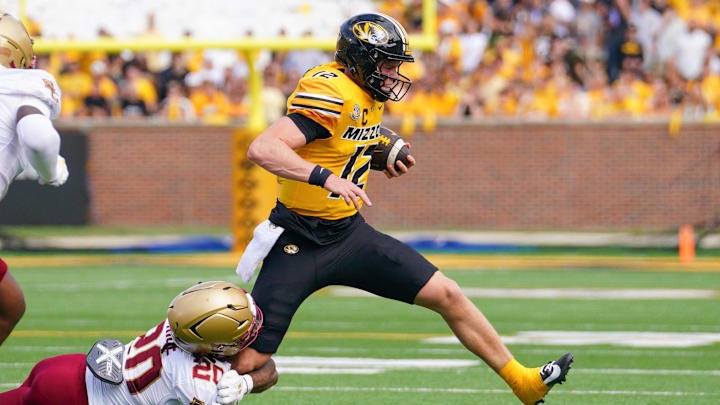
x: 370, y: 32
x: 216, y: 318
x: 367, y: 40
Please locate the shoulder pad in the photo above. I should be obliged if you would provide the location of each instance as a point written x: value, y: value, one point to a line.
x: 105, y: 360
x: 33, y: 83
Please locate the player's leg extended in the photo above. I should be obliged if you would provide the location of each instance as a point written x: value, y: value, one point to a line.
x: 475, y: 332
x: 12, y: 302
x: 530, y: 385
x: 55, y: 381
x: 389, y: 268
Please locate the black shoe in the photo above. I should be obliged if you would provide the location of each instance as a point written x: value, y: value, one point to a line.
x: 554, y: 372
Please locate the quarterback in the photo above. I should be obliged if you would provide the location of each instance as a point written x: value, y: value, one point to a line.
x: 315, y: 237
x: 181, y: 361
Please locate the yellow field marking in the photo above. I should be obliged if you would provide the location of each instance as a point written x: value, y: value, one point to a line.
x: 291, y: 335
x: 76, y: 333
x: 443, y: 261
x: 362, y: 335
x: 456, y: 262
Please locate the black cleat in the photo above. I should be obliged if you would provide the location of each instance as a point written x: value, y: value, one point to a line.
x: 554, y: 372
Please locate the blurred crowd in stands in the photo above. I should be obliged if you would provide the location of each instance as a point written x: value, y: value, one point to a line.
x: 529, y: 59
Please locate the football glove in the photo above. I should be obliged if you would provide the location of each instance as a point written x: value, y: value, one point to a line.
x: 233, y: 387
x: 61, y: 174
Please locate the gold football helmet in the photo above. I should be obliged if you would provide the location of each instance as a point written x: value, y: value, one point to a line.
x: 16, y: 46
x: 214, y: 317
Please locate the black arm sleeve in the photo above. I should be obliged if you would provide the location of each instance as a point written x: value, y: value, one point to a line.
x: 311, y: 129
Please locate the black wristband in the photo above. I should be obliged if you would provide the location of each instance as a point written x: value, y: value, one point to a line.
x: 319, y: 175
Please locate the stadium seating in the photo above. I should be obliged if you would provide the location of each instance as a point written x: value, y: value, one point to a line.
x: 550, y: 59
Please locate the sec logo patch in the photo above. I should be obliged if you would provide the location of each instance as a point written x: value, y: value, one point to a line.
x: 291, y: 249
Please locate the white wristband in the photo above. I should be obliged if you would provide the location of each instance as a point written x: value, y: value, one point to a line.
x: 248, y: 383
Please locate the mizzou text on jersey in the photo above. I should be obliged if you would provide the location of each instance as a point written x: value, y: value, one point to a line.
x: 329, y: 97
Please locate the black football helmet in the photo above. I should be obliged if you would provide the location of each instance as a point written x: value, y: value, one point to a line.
x: 364, y: 43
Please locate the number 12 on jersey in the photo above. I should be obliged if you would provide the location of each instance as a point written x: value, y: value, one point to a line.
x: 366, y: 152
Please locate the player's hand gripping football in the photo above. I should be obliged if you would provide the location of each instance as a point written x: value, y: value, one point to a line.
x: 233, y: 387
x: 61, y: 174
x: 391, y: 171
x: 348, y: 190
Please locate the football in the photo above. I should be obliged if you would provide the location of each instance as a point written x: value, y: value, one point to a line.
x: 390, y: 149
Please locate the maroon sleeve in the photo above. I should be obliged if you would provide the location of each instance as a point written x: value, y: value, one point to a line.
x: 3, y: 269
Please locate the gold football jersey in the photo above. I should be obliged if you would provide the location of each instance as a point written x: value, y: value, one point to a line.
x: 329, y: 97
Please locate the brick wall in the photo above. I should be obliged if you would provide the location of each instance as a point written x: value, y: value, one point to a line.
x: 532, y: 176
x: 159, y: 175
x: 555, y: 177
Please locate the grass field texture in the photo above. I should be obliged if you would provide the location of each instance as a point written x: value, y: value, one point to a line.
x: 348, y: 348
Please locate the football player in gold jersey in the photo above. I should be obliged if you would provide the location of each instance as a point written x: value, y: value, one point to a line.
x: 321, y: 153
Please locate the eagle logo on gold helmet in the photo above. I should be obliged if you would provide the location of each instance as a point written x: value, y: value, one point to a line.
x: 370, y: 32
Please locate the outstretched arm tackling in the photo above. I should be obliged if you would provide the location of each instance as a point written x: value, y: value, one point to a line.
x: 264, y: 377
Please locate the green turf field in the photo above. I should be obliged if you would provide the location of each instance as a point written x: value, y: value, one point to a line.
x: 346, y: 348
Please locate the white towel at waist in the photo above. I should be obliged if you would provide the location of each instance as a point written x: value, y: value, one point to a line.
x: 264, y: 237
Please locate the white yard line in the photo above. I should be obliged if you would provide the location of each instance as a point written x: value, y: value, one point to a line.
x: 491, y: 391
x: 352, y: 365
x: 121, y: 284
x: 53, y: 349
x: 467, y: 391
x: 379, y: 370
x: 581, y: 338
x: 585, y: 326
x: 334, y: 370
x: 463, y: 351
x: 565, y: 293
x: 643, y: 372
x: 592, y: 293
x: 373, y: 363
x: 639, y: 353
